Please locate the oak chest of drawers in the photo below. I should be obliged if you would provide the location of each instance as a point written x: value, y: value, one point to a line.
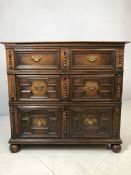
x: 65, y: 93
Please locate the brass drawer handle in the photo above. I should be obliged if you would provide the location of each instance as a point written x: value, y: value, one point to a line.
x: 39, y: 88
x: 39, y: 122
x: 90, y: 121
x: 36, y: 58
x: 92, y: 88
x: 91, y: 58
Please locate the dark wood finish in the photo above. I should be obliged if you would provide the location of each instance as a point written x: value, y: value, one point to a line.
x: 39, y: 121
x: 38, y: 87
x: 92, y: 87
x: 92, y: 58
x: 65, y: 92
x: 116, y: 148
x: 91, y: 122
x: 37, y: 59
x: 14, y: 148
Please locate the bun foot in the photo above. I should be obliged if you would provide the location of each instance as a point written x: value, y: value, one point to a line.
x: 116, y: 148
x: 14, y: 148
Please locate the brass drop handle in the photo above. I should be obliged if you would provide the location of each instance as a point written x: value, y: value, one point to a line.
x: 91, y: 58
x: 36, y: 58
x: 39, y: 88
x: 92, y: 88
x: 40, y: 122
x: 90, y: 121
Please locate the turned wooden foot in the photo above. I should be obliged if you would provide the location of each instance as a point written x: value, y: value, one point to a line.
x: 14, y: 148
x: 116, y: 148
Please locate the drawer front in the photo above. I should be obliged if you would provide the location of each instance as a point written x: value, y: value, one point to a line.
x: 39, y: 121
x: 91, y: 122
x: 37, y: 59
x: 38, y: 87
x: 92, y: 87
x: 92, y: 59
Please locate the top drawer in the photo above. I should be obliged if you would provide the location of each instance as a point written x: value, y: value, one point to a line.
x: 92, y: 59
x: 35, y: 58
x: 64, y: 58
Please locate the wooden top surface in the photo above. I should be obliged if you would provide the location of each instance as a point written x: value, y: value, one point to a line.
x: 40, y: 44
x: 59, y: 42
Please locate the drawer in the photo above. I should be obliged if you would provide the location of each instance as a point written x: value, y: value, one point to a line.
x: 38, y: 87
x: 91, y: 122
x: 38, y: 121
x: 37, y: 59
x: 92, y: 87
x: 92, y: 58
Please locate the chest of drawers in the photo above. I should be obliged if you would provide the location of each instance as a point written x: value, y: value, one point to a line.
x: 65, y: 93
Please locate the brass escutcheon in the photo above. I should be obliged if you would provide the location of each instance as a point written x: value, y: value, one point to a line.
x: 36, y: 58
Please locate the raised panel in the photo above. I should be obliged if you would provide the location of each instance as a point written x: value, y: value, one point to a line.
x: 39, y: 121
x: 92, y: 58
x: 37, y: 59
x: 92, y: 87
x: 38, y: 87
x: 91, y: 122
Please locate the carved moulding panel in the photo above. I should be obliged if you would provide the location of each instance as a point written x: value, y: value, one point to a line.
x: 12, y: 87
x: 65, y: 87
x: 39, y: 122
x: 84, y: 88
x: 116, y: 123
x: 91, y: 122
x: 64, y: 58
x: 65, y: 121
x: 44, y: 87
x: 119, y: 58
x: 118, y: 86
x: 14, y: 121
x: 10, y: 58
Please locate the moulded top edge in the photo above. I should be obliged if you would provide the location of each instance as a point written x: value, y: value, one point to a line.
x: 60, y: 42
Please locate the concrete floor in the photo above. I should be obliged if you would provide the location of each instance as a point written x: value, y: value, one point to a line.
x: 78, y: 160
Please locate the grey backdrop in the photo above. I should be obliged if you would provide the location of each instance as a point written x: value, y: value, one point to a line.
x: 64, y: 20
